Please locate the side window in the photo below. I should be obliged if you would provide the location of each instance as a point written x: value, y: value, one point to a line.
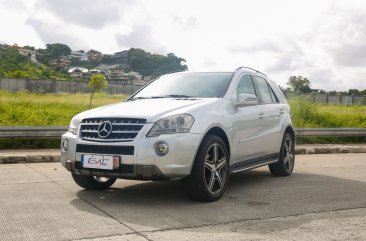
x: 263, y: 90
x: 245, y: 85
x: 274, y: 97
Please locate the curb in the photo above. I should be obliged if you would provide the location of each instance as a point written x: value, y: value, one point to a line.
x: 48, y: 156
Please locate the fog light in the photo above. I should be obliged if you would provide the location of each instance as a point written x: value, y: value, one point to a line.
x: 162, y: 148
x: 65, y: 144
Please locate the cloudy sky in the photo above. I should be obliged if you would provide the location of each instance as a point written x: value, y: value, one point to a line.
x: 324, y: 40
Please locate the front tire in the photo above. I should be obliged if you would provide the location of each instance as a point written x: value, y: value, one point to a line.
x: 93, y: 182
x: 286, y: 163
x: 210, y: 172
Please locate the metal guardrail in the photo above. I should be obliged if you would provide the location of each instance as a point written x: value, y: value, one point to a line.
x: 32, y: 131
x: 330, y: 131
x: 57, y: 131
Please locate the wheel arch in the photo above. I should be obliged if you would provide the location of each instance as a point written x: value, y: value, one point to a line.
x: 290, y: 129
x: 217, y: 131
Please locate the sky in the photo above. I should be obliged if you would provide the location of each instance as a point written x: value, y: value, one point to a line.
x: 323, y: 40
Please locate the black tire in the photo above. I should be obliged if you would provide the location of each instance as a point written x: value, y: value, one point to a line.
x: 286, y: 163
x: 210, y: 171
x: 93, y: 182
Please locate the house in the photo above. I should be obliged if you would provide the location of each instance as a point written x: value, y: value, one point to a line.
x: 31, y: 54
x: 95, y: 56
x: 79, y: 55
x: 62, y: 62
x: 79, y: 72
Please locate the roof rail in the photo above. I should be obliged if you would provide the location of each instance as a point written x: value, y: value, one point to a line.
x: 241, y: 67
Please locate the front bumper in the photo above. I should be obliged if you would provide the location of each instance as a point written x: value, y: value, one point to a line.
x: 139, y: 159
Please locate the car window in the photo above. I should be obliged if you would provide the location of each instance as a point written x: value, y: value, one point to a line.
x: 201, y: 84
x: 245, y: 85
x: 273, y: 95
x: 263, y: 90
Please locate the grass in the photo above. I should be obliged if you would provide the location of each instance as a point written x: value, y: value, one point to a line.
x: 30, y: 109
x: 312, y: 115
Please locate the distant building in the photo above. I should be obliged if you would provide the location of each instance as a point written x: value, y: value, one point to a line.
x: 95, y: 56
x: 31, y: 54
x: 62, y: 62
x: 79, y: 72
x: 79, y: 55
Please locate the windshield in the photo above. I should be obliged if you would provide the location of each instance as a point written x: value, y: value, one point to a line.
x: 204, y: 85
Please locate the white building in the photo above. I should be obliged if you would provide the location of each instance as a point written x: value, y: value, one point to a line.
x: 79, y: 55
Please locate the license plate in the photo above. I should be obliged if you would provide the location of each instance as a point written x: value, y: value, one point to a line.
x: 98, y: 162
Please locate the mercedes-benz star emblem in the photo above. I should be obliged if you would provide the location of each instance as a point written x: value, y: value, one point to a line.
x: 105, y: 129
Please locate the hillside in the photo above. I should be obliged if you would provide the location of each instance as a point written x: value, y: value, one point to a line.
x: 56, y: 59
x: 15, y: 65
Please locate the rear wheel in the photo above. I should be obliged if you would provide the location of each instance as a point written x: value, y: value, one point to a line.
x: 93, y: 182
x: 210, y: 172
x: 285, y: 165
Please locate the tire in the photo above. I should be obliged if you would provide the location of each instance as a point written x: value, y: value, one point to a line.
x: 286, y: 163
x: 210, y: 172
x: 93, y: 182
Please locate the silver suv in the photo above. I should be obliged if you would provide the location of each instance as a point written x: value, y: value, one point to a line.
x: 195, y: 126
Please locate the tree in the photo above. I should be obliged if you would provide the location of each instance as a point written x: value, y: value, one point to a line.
x: 149, y: 64
x: 57, y: 50
x: 354, y: 92
x: 299, y: 84
x: 96, y: 84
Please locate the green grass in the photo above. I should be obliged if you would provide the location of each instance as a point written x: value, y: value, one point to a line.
x: 30, y: 109
x: 308, y: 114
x: 312, y: 115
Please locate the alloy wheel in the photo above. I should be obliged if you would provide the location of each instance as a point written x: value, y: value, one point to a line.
x: 288, y: 153
x: 215, y: 170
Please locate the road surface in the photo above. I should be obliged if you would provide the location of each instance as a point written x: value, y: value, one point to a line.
x: 325, y: 199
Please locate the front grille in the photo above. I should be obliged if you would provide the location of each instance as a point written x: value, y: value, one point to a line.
x: 123, y: 129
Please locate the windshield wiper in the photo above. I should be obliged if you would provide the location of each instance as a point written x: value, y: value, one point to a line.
x: 146, y: 97
x: 162, y: 96
x: 179, y: 96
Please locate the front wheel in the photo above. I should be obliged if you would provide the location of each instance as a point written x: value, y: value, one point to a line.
x: 210, y: 172
x: 285, y: 164
x: 93, y: 182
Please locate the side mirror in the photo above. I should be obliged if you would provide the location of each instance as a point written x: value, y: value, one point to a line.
x: 245, y: 99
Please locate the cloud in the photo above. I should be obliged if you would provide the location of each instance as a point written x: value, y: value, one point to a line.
x: 46, y: 32
x: 342, y: 35
x: 185, y: 24
x: 92, y: 14
x: 141, y: 36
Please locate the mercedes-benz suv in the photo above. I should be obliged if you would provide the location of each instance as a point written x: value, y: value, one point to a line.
x: 195, y: 126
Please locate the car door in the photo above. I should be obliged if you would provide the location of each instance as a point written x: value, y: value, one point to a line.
x: 248, y: 126
x: 272, y: 111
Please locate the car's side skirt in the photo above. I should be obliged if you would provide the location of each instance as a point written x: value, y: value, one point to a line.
x: 254, y: 163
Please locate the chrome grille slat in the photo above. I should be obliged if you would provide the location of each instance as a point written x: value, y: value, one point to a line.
x: 123, y: 129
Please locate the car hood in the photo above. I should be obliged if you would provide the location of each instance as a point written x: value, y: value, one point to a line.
x: 149, y: 109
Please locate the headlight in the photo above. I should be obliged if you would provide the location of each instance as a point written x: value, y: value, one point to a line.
x: 74, y: 125
x: 172, y: 124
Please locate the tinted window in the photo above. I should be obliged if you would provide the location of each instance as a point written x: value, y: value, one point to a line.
x: 209, y: 85
x: 263, y: 90
x: 245, y: 85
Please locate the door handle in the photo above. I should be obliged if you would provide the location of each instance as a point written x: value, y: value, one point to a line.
x: 282, y: 111
x: 261, y: 115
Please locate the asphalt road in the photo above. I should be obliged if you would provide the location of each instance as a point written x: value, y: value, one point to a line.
x: 325, y: 199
